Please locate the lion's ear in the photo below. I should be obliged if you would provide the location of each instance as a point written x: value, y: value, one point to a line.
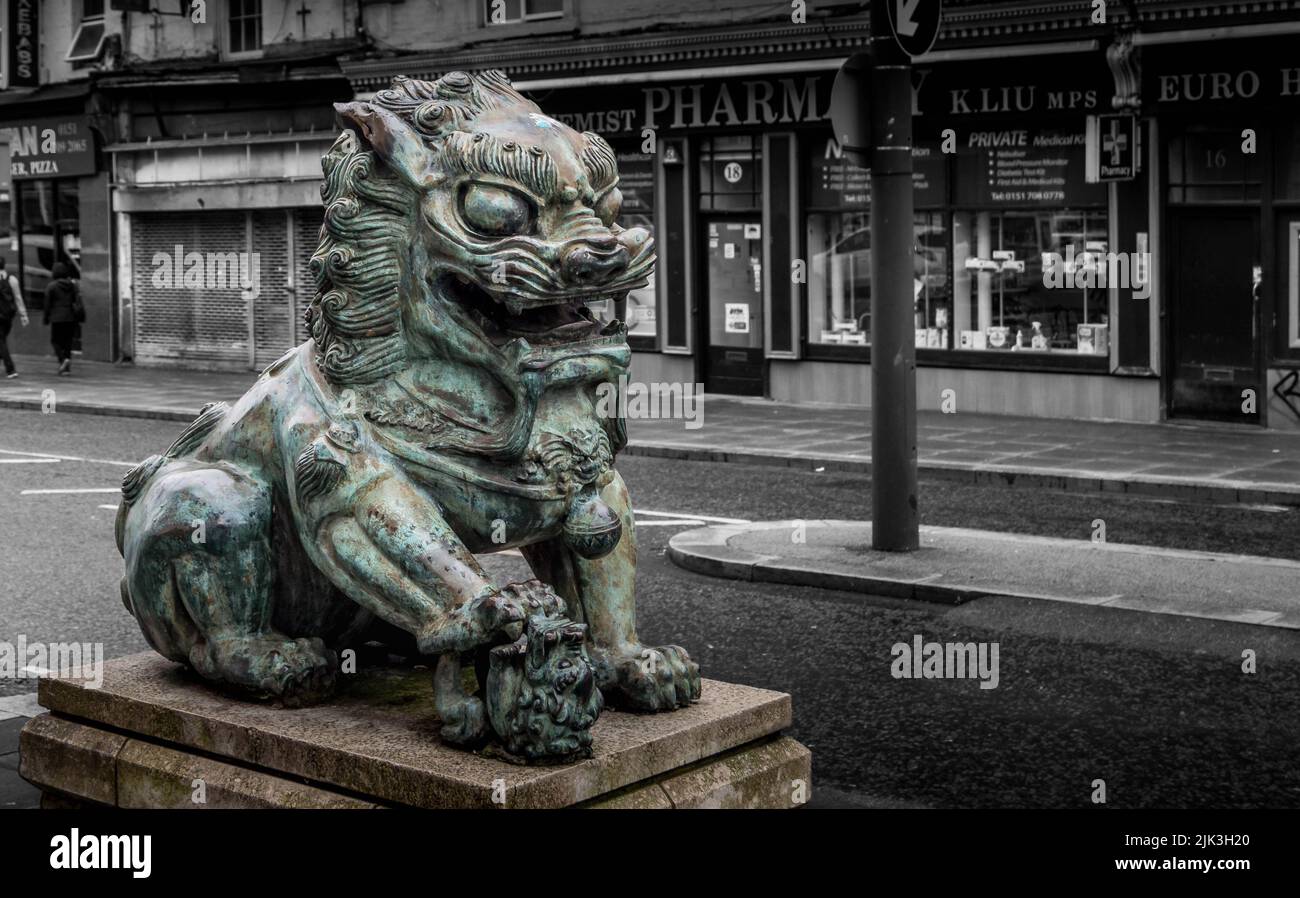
x: 392, y: 139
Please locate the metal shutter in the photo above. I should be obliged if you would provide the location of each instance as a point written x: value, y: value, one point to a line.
x: 273, y: 326
x: 306, y: 237
x: 173, y: 323
x: 215, y: 325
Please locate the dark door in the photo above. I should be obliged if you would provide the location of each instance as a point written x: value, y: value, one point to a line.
x: 733, y: 305
x: 1213, y: 315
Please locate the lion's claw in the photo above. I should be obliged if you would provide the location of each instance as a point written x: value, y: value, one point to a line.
x: 649, y: 679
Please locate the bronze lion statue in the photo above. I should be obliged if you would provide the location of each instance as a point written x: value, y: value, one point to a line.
x: 446, y: 405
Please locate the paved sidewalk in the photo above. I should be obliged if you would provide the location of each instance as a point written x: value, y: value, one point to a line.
x: 1204, y: 463
x: 956, y: 565
x: 127, y: 390
x: 15, y: 792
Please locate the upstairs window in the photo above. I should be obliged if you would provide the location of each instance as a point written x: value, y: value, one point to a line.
x: 512, y: 12
x: 88, y: 41
x: 245, y: 26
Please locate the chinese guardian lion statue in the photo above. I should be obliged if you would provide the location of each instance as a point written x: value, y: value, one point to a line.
x: 446, y: 405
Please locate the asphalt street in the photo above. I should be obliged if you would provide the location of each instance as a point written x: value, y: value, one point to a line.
x: 1156, y: 706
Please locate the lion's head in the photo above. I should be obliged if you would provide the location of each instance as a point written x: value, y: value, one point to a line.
x: 462, y: 223
x: 541, y: 691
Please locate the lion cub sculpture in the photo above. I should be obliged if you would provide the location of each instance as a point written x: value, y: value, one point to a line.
x: 446, y: 405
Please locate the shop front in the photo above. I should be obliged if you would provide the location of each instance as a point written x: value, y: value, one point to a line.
x: 763, y: 231
x: 56, y: 212
x: 214, y: 236
x: 710, y: 167
x: 1229, y: 122
x: 216, y: 206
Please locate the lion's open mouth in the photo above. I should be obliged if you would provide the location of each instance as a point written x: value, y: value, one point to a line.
x: 567, y: 319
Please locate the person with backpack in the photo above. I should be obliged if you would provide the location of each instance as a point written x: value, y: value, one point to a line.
x: 63, y: 312
x: 11, y: 305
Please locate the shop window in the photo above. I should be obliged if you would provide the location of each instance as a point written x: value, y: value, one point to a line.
x: 731, y: 173
x: 512, y: 12
x: 48, y: 221
x: 1207, y: 165
x: 88, y: 41
x: 245, y: 21
x: 1032, y: 281
x: 839, y: 279
x: 636, y: 182
x: 932, y: 281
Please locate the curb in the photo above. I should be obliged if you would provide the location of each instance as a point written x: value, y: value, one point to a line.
x: 112, y: 411
x: 1188, y: 489
x: 714, y: 558
x: 1230, y: 492
x: 707, y: 551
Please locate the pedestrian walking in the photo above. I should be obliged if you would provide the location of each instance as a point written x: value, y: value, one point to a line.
x: 11, y: 306
x: 63, y: 312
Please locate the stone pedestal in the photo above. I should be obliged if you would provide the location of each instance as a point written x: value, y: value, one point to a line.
x: 154, y: 735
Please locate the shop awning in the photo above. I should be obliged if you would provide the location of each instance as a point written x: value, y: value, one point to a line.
x: 44, y: 95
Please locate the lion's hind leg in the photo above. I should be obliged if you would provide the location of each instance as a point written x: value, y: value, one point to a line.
x: 200, y: 578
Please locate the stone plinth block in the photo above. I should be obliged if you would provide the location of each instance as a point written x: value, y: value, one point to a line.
x: 377, y: 744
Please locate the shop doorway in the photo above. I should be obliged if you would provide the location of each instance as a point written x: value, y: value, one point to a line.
x: 1214, y: 314
x: 733, y: 305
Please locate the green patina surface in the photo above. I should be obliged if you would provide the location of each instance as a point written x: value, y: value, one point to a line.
x: 447, y: 404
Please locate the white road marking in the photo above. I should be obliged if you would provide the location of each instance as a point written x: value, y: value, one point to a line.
x: 683, y: 515
x: 109, y: 507
x: 684, y: 522
x: 29, y: 461
x: 96, y: 461
x: 106, y: 489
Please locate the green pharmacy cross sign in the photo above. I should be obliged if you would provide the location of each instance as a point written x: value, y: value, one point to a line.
x: 1112, y: 148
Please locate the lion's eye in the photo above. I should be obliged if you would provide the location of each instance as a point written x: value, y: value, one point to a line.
x: 608, y: 208
x: 495, y: 211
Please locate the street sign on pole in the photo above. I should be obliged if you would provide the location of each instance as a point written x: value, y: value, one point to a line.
x: 915, y: 24
x: 895, y: 517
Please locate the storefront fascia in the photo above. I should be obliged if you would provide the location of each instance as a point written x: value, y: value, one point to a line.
x: 785, y: 113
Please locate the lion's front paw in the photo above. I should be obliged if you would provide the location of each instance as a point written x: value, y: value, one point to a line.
x: 535, y: 597
x: 648, y: 679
